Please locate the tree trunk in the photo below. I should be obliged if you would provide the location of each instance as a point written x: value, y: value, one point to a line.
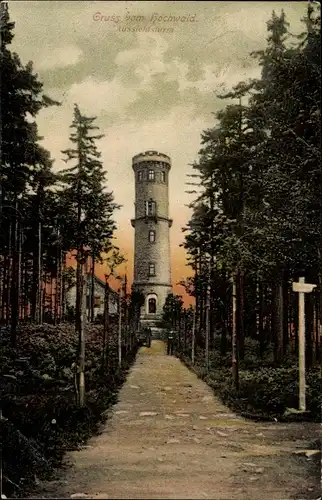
x: 22, y: 287
x: 252, y: 307
x: 207, y: 325
x: 9, y: 275
x: 228, y: 303
x: 52, y: 298
x: 194, y: 314
x: 58, y: 287
x: 197, y: 304
x: 79, y: 290
x: 223, y: 323
x: 279, y: 324
x: 81, y: 313
x: 234, y: 337
x: 106, y: 326
x: 26, y: 303
x: 19, y: 273
x: 285, y: 312
x: 119, y: 341
x: 35, y: 282
x: 40, y: 278
x: 261, y: 319
x: 3, y: 287
x: 271, y: 313
x: 201, y: 321
x: 63, y: 287
x: 240, y: 313
x: 185, y: 331
x: 125, y: 314
x: 92, y: 289
x: 14, y: 283
x: 44, y: 296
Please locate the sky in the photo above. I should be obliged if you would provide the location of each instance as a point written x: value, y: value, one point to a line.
x: 149, y: 90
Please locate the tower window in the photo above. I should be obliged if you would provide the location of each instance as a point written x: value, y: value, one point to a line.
x: 140, y: 175
x: 151, y: 236
x: 151, y: 175
x: 152, y: 305
x: 151, y: 269
x: 163, y: 176
x: 150, y: 207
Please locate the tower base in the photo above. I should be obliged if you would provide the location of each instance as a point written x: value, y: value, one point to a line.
x: 155, y: 323
x: 151, y: 322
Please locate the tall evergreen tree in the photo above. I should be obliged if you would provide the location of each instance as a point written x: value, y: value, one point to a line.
x: 260, y: 170
x: 89, y: 208
x: 21, y: 158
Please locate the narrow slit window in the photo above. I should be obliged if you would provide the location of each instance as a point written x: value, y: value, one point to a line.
x: 151, y: 236
x: 151, y: 269
x: 163, y: 176
x: 140, y: 175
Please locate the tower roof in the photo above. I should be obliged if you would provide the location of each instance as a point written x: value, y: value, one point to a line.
x: 151, y: 155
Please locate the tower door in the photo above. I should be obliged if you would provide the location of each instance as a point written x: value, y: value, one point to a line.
x: 152, y: 306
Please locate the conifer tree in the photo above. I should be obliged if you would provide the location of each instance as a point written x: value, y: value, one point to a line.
x: 21, y: 157
x: 88, y: 226
x: 260, y: 181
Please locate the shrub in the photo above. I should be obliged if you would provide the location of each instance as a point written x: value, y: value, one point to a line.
x: 37, y: 396
x: 265, y: 391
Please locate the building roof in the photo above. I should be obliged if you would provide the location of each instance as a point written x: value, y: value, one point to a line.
x: 101, y: 283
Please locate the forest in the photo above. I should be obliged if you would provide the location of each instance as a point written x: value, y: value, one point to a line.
x: 256, y: 228
x: 53, y: 392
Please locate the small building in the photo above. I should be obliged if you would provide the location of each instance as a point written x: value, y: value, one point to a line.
x: 99, y: 294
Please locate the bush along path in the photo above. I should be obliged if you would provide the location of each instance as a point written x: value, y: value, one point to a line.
x: 40, y: 420
x: 266, y: 391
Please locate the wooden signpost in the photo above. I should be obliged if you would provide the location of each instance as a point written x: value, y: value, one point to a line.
x: 301, y: 288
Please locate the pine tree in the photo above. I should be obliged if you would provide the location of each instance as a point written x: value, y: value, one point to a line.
x: 21, y: 99
x: 263, y: 162
x: 89, y: 208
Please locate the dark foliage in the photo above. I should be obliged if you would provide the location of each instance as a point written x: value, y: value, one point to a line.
x: 40, y: 419
x: 265, y: 392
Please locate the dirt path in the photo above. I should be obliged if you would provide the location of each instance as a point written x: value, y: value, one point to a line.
x: 169, y: 437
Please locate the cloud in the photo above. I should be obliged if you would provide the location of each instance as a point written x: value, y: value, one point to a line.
x: 122, y: 142
x: 187, y: 66
x: 61, y: 57
x: 144, y: 61
x: 148, y: 90
x: 95, y: 96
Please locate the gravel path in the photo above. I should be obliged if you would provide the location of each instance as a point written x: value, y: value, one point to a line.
x: 169, y: 437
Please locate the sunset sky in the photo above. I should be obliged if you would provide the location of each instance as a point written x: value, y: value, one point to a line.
x: 148, y: 90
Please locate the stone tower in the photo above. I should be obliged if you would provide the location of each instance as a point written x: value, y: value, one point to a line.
x: 152, y: 267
